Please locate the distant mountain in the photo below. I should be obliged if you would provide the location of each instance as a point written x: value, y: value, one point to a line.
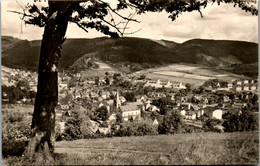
x: 136, y: 51
x: 6, y: 41
x: 232, y: 52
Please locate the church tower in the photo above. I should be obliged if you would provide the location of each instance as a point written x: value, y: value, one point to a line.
x: 117, y: 101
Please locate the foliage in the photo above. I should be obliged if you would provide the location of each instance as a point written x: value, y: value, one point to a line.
x: 172, y: 123
x: 101, y: 113
x: 23, y: 84
x: 126, y: 84
x: 66, y: 99
x: 246, y: 121
x: 137, y: 128
x: 209, y: 124
x: 16, y: 131
x: 74, y: 124
x: 214, y: 83
x: 130, y: 96
x: 15, y: 93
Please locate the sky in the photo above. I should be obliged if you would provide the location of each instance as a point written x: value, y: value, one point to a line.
x: 219, y: 22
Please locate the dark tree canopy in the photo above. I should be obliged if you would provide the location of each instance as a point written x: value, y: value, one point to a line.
x: 100, y: 15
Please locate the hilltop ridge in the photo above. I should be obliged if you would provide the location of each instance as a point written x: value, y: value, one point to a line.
x: 134, y: 54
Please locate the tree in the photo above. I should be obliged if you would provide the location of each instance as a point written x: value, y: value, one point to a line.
x: 130, y: 96
x: 86, y: 14
x: 172, y: 123
x: 102, y: 113
x: 246, y: 121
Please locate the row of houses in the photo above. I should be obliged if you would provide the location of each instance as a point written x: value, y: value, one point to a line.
x: 160, y: 84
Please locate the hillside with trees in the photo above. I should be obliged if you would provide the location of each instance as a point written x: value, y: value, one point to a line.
x: 227, y: 55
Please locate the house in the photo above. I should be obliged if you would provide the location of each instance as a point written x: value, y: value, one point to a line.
x: 178, y: 86
x: 24, y: 100
x: 5, y: 100
x: 239, y: 83
x: 245, y: 81
x: 168, y: 85
x: 173, y: 97
x: 130, y: 110
x: 34, y: 88
x: 183, y: 112
x: 226, y: 98
x: 147, y: 105
x: 230, y: 85
x: 246, y: 88
x: 199, y: 113
x: 155, y: 122
x: 253, y: 87
x: 112, y: 117
x: 153, y: 108
x: 94, y: 126
x: 77, y: 95
x: 217, y: 114
x: 190, y: 115
x: 4, y: 94
x: 238, y: 88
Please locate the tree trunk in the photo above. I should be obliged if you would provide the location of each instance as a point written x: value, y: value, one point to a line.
x: 41, y: 145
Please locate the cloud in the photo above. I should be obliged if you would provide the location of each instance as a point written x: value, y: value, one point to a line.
x: 219, y: 22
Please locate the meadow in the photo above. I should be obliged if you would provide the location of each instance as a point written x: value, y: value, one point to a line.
x: 188, y: 149
x: 179, y: 149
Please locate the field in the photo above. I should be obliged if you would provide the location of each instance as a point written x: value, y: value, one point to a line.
x: 200, y: 148
x: 187, y: 73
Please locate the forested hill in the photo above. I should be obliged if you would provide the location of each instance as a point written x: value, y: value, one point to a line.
x: 25, y: 54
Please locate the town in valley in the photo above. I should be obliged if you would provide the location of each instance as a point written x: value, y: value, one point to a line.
x: 113, y: 97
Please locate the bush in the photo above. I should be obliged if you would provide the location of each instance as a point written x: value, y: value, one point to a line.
x: 16, y: 131
x: 11, y: 147
x: 12, y: 116
x: 246, y: 121
x: 210, y: 124
x: 192, y: 129
x: 171, y: 124
x: 137, y: 128
x: 76, y: 127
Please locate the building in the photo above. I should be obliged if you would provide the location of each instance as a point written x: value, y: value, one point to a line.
x: 230, y: 85
x: 239, y: 83
x: 130, y: 110
x: 238, y: 88
x: 246, y: 88
x: 217, y: 114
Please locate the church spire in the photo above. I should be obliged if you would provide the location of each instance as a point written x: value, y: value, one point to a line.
x: 117, y: 102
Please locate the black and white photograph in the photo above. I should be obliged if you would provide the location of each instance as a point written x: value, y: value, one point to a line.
x: 129, y: 82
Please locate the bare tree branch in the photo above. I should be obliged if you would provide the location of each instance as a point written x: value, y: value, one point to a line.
x: 79, y: 25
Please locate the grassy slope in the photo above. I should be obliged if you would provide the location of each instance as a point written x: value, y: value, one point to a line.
x: 203, y: 148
